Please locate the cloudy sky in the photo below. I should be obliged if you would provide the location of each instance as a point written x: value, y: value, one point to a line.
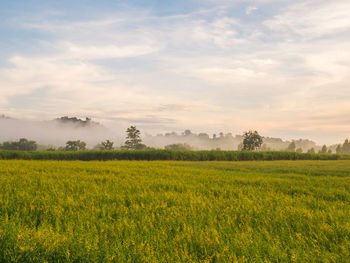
x: 279, y: 66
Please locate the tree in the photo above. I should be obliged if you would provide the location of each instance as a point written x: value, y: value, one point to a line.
x: 179, y: 147
x: 133, y: 139
x: 312, y: 151
x: 75, y: 146
x: 187, y: 133
x: 299, y: 150
x: 21, y: 145
x: 339, y: 149
x: 346, y: 147
x: 324, y: 149
x: 291, y: 147
x: 107, y: 145
x: 251, y: 141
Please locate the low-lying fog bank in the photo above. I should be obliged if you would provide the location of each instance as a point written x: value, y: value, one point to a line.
x: 57, y: 132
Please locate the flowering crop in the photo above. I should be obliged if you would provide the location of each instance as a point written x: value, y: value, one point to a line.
x: 163, y: 211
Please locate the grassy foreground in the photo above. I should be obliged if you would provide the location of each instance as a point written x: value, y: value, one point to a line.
x: 128, y: 211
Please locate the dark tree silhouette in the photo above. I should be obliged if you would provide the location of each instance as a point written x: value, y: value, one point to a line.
x: 107, y: 145
x: 21, y: 145
x: 251, y: 141
x: 133, y: 139
x: 75, y: 146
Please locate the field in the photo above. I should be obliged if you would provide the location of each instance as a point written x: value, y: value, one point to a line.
x: 167, y: 155
x: 139, y: 211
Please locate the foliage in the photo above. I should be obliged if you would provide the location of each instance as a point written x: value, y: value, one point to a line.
x: 157, y: 154
x: 299, y: 150
x: 179, y: 147
x: 76, y: 121
x: 324, y: 149
x: 223, y: 141
x: 133, y: 139
x: 345, y: 148
x: 311, y: 151
x: 107, y: 145
x: 174, y: 211
x: 252, y: 141
x: 291, y: 147
x: 75, y: 145
x: 20, y: 145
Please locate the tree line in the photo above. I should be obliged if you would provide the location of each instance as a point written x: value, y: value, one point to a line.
x: 133, y: 142
x: 251, y: 141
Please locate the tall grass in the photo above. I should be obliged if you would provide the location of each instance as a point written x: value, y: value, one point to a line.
x: 126, y: 211
x: 151, y: 155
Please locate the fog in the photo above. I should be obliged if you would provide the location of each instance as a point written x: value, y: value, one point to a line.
x: 55, y: 133
x: 203, y: 141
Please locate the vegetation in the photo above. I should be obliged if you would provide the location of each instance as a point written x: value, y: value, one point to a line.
x: 104, y: 146
x: 75, y: 146
x: 223, y: 141
x: 174, y: 211
x: 311, y: 151
x: 154, y: 154
x: 133, y: 139
x: 345, y: 148
x: 76, y: 121
x: 291, y: 147
x: 107, y: 145
x: 179, y: 147
x: 252, y: 141
x: 20, y: 145
x: 324, y: 149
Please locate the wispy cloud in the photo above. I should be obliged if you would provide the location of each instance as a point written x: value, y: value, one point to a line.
x: 220, y: 66
x: 250, y: 9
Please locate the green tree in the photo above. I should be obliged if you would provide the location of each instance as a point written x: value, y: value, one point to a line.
x: 291, y: 147
x: 107, y: 145
x: 133, y: 139
x: 75, y: 146
x: 339, y: 149
x: 324, y: 149
x: 346, y: 147
x: 251, y: 141
x: 312, y: 151
x: 20, y: 145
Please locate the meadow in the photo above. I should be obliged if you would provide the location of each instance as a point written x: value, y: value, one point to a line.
x: 166, y: 211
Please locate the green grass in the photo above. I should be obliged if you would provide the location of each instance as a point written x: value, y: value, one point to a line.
x: 133, y: 211
x: 158, y: 154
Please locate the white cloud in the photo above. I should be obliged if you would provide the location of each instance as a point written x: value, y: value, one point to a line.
x: 250, y: 10
x: 312, y: 19
x: 274, y: 73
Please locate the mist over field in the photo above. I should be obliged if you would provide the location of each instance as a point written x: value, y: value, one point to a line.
x: 56, y: 133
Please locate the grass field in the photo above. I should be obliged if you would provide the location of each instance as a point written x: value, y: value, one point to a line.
x: 166, y: 155
x: 133, y: 211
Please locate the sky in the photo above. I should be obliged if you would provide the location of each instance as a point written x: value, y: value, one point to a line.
x: 281, y: 67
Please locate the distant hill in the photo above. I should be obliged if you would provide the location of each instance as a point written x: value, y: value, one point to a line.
x: 77, y: 122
